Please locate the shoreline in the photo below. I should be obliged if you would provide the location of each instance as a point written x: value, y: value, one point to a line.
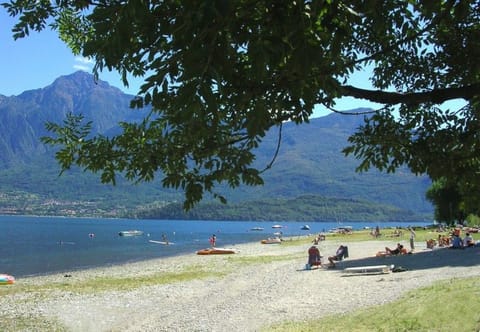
x: 35, y: 248
x: 253, y: 289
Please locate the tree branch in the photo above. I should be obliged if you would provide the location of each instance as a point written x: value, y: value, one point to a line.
x: 436, y: 96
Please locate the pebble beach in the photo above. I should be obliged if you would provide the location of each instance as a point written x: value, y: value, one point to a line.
x: 259, y: 286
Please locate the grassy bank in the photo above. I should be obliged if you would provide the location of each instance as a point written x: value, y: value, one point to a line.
x: 445, y: 306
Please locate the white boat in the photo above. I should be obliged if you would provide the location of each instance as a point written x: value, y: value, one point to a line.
x: 257, y: 229
x: 305, y: 228
x: 342, y: 230
x: 130, y: 233
x: 277, y: 226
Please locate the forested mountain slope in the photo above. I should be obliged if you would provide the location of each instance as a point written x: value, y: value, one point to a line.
x: 309, y: 161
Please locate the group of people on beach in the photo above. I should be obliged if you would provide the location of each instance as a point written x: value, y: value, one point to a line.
x: 314, y: 258
x: 459, y: 243
x: 453, y: 241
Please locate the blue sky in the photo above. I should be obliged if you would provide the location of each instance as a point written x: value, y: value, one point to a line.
x: 37, y: 60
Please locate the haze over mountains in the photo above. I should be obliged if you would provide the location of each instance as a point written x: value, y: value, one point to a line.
x: 310, y: 161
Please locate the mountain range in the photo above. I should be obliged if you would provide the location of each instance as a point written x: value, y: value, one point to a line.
x: 309, y: 161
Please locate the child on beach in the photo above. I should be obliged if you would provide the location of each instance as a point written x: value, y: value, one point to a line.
x: 213, y: 240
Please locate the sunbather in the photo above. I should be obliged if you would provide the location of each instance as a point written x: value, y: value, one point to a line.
x: 396, y: 251
x: 392, y: 252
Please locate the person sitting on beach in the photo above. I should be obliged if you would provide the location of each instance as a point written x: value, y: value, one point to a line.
x: 314, y: 258
x: 457, y: 242
x: 431, y: 243
x: 396, y: 233
x: 338, y: 256
x: 318, y: 238
x: 468, y: 240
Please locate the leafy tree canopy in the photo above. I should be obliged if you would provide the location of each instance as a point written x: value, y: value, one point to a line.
x: 447, y: 200
x: 218, y: 74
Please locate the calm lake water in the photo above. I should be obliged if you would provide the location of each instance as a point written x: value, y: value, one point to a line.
x: 42, y: 245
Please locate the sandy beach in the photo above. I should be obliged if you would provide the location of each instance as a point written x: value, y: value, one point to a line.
x: 259, y: 286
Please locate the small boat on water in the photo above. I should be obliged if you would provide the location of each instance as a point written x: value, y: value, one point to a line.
x: 342, y: 230
x: 133, y: 232
x: 6, y: 279
x: 305, y: 228
x: 277, y: 226
x: 166, y: 243
x: 256, y: 229
x: 217, y: 251
x: 272, y: 240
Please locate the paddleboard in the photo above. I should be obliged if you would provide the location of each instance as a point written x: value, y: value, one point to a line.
x: 161, y: 242
x: 66, y: 242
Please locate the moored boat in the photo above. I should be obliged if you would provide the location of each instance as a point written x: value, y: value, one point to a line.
x: 256, y: 229
x: 130, y: 233
x: 277, y: 226
x: 342, y: 230
x: 272, y: 240
x: 216, y: 251
x: 305, y: 228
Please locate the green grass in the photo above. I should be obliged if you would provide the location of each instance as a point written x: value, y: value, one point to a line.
x: 101, y: 284
x: 29, y: 323
x: 445, y: 306
x: 262, y: 259
x: 386, y: 235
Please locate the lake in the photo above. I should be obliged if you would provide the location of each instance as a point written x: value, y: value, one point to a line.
x: 43, y: 245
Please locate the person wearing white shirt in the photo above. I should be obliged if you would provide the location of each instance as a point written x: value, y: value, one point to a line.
x: 468, y: 240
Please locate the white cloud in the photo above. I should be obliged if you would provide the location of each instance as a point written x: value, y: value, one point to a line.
x: 82, y: 63
x: 81, y: 67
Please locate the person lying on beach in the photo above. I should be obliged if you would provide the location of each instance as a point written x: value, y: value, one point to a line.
x: 392, y: 252
x: 396, y: 251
